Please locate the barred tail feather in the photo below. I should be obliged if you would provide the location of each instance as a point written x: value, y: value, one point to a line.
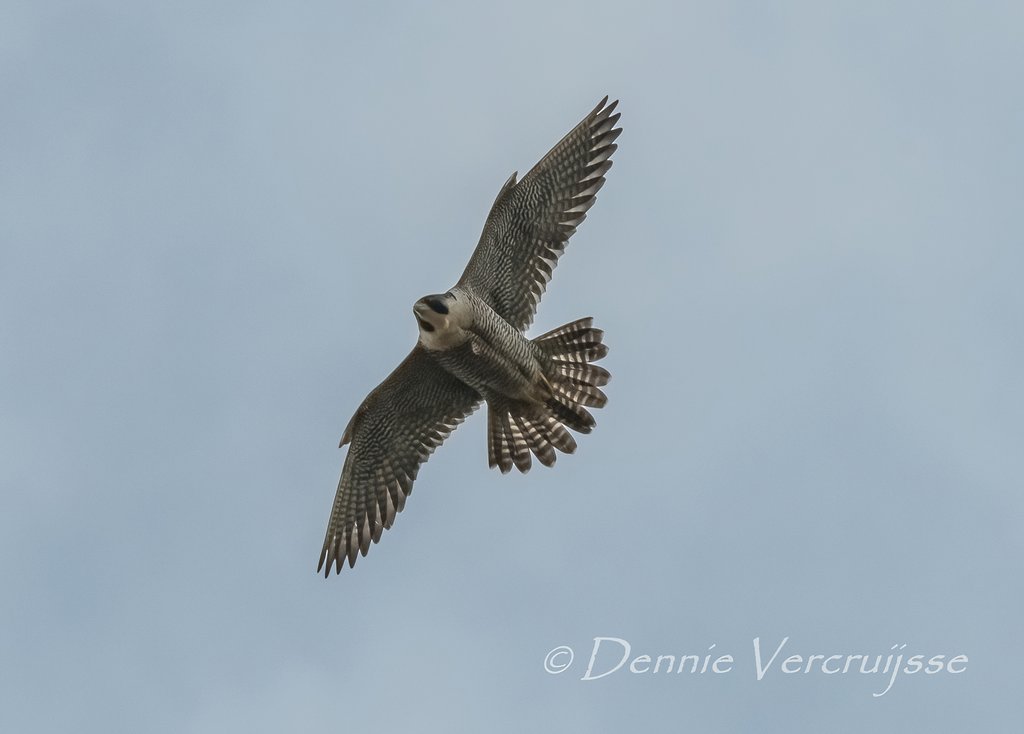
x: 515, y: 430
x: 571, y: 414
x: 583, y: 374
x: 577, y: 342
x: 576, y: 382
x: 536, y: 440
x: 506, y: 444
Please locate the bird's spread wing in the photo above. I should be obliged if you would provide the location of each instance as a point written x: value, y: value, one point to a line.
x: 532, y: 220
x: 394, y: 431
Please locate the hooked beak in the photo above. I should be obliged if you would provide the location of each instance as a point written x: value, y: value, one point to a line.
x: 424, y: 315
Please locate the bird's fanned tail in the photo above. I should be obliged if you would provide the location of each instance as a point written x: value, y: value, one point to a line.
x: 517, y: 429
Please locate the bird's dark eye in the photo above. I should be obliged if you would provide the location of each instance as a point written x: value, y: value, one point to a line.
x: 437, y: 306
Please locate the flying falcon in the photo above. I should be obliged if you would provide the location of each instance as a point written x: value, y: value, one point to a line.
x: 472, y: 349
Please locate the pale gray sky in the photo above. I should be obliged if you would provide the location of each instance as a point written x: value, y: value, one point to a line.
x: 215, y: 218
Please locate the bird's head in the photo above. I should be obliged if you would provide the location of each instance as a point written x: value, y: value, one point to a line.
x: 443, y: 320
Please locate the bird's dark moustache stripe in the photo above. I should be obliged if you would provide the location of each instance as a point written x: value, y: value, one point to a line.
x: 437, y: 306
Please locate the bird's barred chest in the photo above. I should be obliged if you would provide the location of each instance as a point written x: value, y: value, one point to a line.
x: 496, y: 358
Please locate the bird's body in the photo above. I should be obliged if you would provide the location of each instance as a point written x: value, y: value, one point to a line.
x: 489, y: 354
x: 472, y: 348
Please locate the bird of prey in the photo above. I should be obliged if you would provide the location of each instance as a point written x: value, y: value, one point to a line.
x: 472, y: 349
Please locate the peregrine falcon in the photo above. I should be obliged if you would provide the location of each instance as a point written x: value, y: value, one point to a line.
x: 472, y: 349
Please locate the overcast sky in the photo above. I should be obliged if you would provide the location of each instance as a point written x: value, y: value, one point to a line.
x: 214, y: 220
